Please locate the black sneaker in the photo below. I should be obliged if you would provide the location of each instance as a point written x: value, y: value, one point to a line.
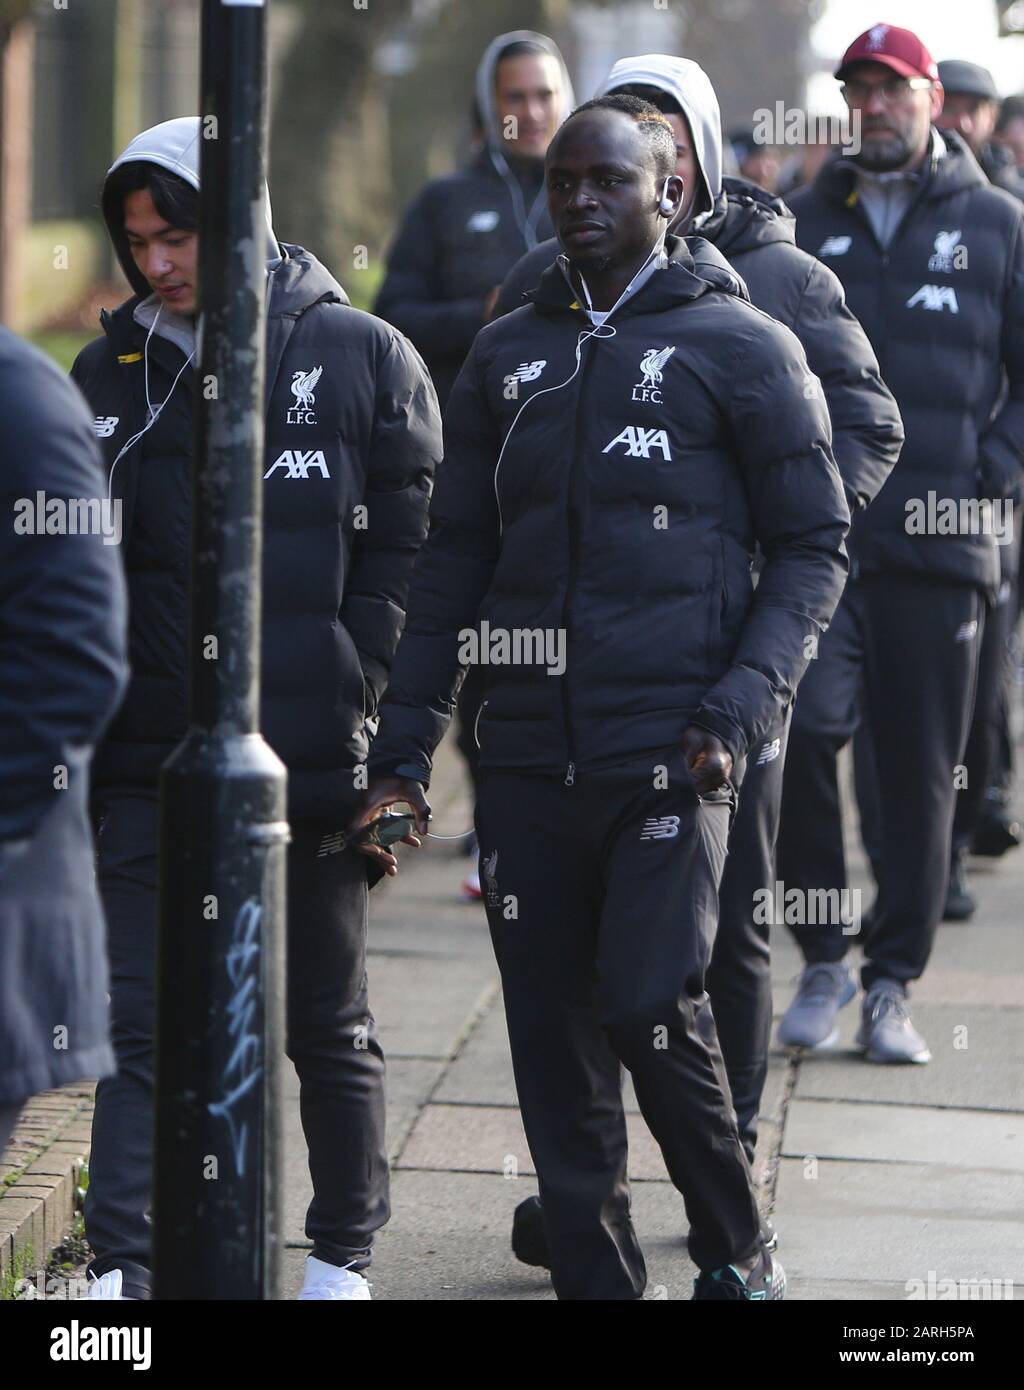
x: 529, y: 1238
x: 997, y: 831
x: 960, y: 901
x: 765, y: 1282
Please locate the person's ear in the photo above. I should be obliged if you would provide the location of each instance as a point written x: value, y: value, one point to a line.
x: 671, y: 196
x: 938, y: 97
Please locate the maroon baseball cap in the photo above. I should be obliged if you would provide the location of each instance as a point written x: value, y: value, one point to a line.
x: 899, y: 49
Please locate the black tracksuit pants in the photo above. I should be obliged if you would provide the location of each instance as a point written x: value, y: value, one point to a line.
x: 602, y: 900
x: 981, y: 757
x: 340, y: 1066
x: 904, y: 649
x: 739, y: 980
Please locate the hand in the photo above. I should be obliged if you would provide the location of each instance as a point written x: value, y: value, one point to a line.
x: 707, y: 758
x: 490, y: 302
x: 380, y: 794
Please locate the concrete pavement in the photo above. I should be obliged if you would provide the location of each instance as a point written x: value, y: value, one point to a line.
x: 875, y: 1176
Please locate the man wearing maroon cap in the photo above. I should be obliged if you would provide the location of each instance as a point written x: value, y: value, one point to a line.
x: 932, y: 261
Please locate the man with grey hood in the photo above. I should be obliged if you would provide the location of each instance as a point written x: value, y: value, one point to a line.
x: 755, y: 232
x: 463, y: 232
x: 352, y: 436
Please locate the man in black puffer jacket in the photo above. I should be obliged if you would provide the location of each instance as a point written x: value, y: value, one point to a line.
x: 932, y: 261
x: 755, y: 232
x: 614, y: 452
x: 352, y: 438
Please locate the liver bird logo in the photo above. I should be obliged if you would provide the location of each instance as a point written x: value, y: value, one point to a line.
x: 946, y: 243
x: 303, y: 386
x: 651, y: 364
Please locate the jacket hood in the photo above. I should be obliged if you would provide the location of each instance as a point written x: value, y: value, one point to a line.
x: 494, y: 149
x: 746, y: 216
x: 694, y: 267
x: 174, y: 146
x: 689, y: 85
x: 949, y: 167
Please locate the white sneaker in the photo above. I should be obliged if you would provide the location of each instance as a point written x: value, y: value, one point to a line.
x: 332, y: 1281
x: 108, y: 1286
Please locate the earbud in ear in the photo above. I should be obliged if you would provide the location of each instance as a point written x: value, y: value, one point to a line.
x: 665, y: 205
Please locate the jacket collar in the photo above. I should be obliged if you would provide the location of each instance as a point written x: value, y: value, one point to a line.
x: 677, y: 283
x: 948, y: 167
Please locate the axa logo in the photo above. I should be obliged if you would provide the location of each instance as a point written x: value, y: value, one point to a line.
x: 303, y: 387
x: 639, y: 442
x: 528, y: 371
x: 949, y: 254
x: 936, y: 298
x: 105, y: 425
x: 769, y: 752
x: 485, y: 221
x: 652, y: 376
x: 298, y: 462
x: 660, y: 828
x: 835, y: 246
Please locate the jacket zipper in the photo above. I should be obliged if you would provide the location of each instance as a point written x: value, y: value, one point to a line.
x: 573, y: 518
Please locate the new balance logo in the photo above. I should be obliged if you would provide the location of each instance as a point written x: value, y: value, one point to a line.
x: 639, y: 442
x: 769, y: 752
x: 966, y: 632
x: 835, y: 246
x: 105, y: 425
x: 527, y: 371
x: 936, y: 298
x: 660, y: 828
x: 297, y: 463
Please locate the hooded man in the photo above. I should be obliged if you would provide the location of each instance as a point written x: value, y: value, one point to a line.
x: 755, y: 232
x: 609, y: 498
x: 352, y: 438
x: 932, y: 260
x: 462, y: 232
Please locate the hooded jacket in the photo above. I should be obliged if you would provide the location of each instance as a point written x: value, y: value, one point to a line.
x: 63, y: 670
x: 352, y: 436
x: 943, y: 306
x: 462, y: 233
x: 755, y: 232
x: 612, y: 502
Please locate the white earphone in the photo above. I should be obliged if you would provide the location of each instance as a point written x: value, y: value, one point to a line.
x: 665, y: 205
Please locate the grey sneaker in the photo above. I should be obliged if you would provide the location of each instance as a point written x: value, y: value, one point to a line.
x: 810, y: 1021
x: 887, y: 1032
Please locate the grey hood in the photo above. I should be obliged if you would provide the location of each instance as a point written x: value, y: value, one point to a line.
x: 484, y: 87
x: 174, y: 146
x: 688, y: 84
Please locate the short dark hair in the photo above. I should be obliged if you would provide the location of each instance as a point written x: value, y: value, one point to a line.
x: 664, y: 101
x: 650, y: 122
x: 175, y: 200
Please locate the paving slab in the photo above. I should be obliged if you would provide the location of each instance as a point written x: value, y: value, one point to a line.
x: 488, y: 1139
x: 892, y: 1222
x: 977, y: 1062
x: 901, y: 1134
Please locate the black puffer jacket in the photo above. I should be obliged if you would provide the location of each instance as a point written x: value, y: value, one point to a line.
x: 755, y: 232
x: 455, y: 243
x: 624, y: 513
x: 334, y: 576
x: 947, y: 327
